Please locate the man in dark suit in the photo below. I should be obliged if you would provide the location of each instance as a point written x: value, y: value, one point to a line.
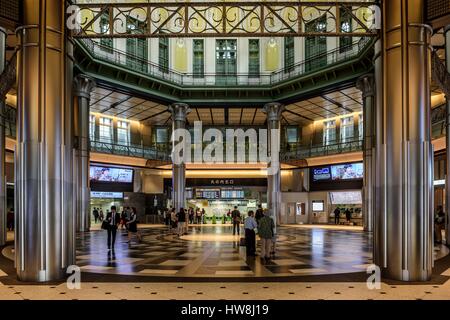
x: 113, y: 219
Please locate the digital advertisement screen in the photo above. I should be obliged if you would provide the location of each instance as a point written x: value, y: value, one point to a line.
x: 348, y: 197
x: 109, y: 174
x: 349, y: 171
x: 317, y: 206
x: 207, y: 194
x: 232, y: 194
x: 321, y: 174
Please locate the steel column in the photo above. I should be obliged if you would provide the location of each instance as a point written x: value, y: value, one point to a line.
x: 179, y: 113
x: 366, y: 85
x: 403, y: 247
x: 447, y: 150
x: 3, y: 36
x: 83, y: 85
x: 44, y: 235
x: 274, y: 111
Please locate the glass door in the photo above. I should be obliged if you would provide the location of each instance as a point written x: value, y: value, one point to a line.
x: 316, y: 47
x: 226, y: 64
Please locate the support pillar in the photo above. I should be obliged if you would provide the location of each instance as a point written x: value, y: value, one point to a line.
x: 45, y: 237
x: 366, y: 85
x: 83, y: 85
x: 447, y: 150
x: 2, y: 144
x: 179, y: 113
x: 273, y: 111
x: 403, y: 244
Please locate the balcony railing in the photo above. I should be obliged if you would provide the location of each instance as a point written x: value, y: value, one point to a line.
x: 148, y: 68
x: 129, y: 150
x: 438, y: 122
x: 296, y: 152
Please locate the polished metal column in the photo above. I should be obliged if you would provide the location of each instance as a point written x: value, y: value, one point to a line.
x: 403, y: 247
x: 44, y: 239
x: 83, y: 85
x: 447, y: 150
x: 179, y: 113
x: 2, y: 144
x: 273, y: 111
x: 366, y: 85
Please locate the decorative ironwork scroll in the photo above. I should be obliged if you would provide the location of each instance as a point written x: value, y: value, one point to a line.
x: 224, y: 19
x: 440, y: 74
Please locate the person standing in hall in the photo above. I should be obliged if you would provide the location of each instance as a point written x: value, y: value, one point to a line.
x: 439, y: 224
x: 337, y: 213
x: 236, y: 216
x: 181, y: 218
x: 132, y: 226
x: 113, y: 218
x: 259, y: 213
x: 250, y: 237
x: 266, y: 228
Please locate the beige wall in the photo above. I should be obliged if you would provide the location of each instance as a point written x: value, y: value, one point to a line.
x: 152, y: 183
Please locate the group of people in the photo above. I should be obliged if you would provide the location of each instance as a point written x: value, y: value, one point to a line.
x: 127, y: 220
x: 98, y: 215
x: 261, y: 223
x: 337, y: 215
x: 178, y: 221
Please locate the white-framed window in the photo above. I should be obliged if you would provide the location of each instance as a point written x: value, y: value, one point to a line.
x: 92, y: 127
x: 347, y: 129
x: 105, y: 129
x: 361, y: 127
x: 329, y: 132
x: 123, y: 132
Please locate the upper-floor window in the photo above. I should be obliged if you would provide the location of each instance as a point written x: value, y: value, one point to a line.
x: 361, y: 127
x: 92, y: 127
x: 105, y: 129
x: 253, y: 58
x: 106, y: 43
x: 289, y: 54
x: 347, y: 130
x: 163, y: 54
x: 329, y: 132
x: 198, y: 58
x: 137, y: 48
x: 346, y: 26
x: 123, y: 132
x: 291, y: 134
x: 162, y: 135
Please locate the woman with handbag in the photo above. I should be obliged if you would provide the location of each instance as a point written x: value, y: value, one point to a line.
x: 132, y: 226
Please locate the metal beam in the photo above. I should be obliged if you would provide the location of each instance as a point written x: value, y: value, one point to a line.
x: 223, y: 19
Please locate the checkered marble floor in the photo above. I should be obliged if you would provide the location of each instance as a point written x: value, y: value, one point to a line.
x: 213, y: 252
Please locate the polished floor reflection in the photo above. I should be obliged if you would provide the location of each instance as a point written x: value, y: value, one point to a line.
x: 213, y: 252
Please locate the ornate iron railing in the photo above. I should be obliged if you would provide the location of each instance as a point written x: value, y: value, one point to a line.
x: 440, y: 74
x: 145, y: 67
x: 438, y: 115
x: 223, y: 19
x: 295, y: 152
x: 8, y: 77
x: 129, y: 150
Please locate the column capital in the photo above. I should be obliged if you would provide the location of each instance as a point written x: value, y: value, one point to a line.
x: 273, y: 111
x: 179, y: 111
x: 83, y: 86
x: 366, y: 84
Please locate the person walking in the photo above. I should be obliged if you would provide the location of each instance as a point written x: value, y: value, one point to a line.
x: 337, y: 213
x: 348, y: 215
x: 132, y: 226
x: 250, y: 237
x: 101, y: 216
x: 266, y: 233
x: 10, y: 220
x: 173, y: 220
x: 198, y: 216
x: 439, y: 224
x: 95, y: 214
x: 181, y: 219
x: 113, y: 218
x: 236, y: 217
x: 124, y: 218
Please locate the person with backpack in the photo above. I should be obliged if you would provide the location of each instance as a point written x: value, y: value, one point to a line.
x: 236, y: 216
